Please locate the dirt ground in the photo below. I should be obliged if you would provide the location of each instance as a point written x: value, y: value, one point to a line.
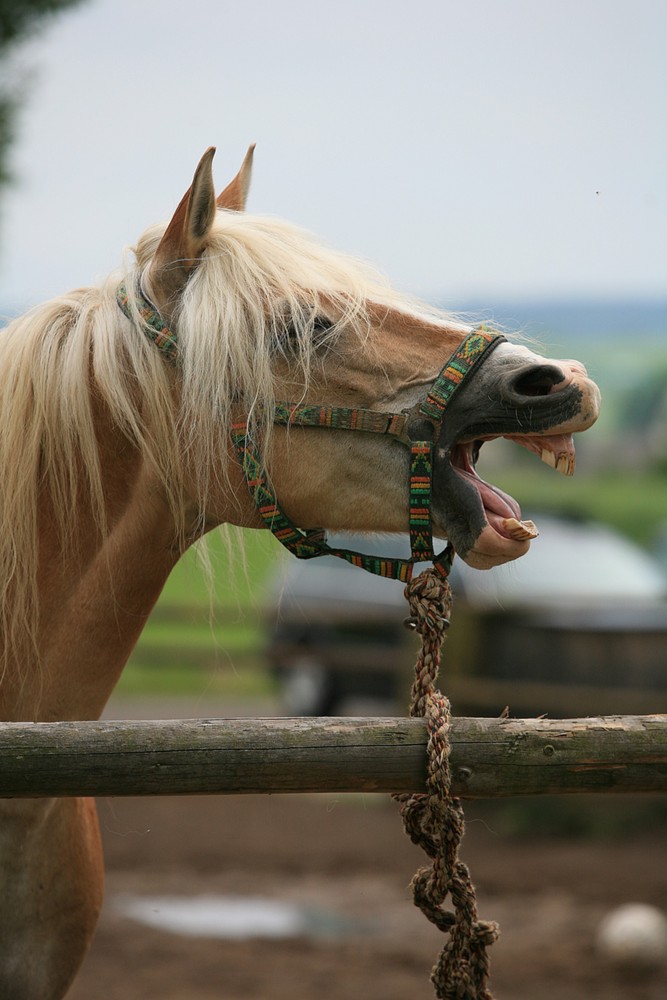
x: 349, y: 857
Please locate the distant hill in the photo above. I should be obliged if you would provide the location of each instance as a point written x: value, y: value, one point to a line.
x: 597, y: 319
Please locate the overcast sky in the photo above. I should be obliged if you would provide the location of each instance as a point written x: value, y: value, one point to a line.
x: 476, y: 150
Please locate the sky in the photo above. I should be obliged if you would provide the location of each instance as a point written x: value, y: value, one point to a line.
x: 478, y: 151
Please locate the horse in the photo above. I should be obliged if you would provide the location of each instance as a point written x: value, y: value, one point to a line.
x: 118, y: 408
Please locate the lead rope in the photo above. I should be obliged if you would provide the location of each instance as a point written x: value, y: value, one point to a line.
x: 434, y: 820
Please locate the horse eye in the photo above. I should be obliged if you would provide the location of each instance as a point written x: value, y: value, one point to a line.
x: 321, y: 326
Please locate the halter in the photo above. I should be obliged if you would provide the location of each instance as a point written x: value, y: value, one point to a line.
x: 418, y: 429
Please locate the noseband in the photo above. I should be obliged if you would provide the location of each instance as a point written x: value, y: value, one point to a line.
x: 418, y: 429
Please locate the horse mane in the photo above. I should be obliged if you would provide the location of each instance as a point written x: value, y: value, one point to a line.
x: 260, y: 289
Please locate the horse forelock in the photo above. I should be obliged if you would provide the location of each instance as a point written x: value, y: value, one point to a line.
x: 65, y: 359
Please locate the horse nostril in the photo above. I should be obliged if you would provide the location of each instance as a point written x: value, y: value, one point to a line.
x: 538, y: 380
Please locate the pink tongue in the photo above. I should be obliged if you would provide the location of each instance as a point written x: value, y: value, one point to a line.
x: 497, y: 505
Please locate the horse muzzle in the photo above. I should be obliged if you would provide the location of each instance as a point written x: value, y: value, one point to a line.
x: 519, y: 396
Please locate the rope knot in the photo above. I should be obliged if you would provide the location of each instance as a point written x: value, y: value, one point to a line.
x: 430, y: 600
x: 434, y: 820
x: 485, y: 933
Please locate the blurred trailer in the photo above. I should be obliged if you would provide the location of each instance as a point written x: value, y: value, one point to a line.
x: 576, y: 627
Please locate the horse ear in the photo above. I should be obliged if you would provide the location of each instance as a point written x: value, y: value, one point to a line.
x: 181, y: 247
x: 235, y: 194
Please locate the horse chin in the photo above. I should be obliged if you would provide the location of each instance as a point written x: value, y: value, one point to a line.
x: 493, y: 549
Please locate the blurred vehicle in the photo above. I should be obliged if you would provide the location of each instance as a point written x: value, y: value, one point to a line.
x: 576, y: 627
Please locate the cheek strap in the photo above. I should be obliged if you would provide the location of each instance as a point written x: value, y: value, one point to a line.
x: 312, y: 542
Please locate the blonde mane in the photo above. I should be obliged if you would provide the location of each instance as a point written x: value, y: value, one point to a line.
x: 257, y: 277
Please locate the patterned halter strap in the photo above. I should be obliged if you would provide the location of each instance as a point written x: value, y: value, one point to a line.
x: 418, y: 429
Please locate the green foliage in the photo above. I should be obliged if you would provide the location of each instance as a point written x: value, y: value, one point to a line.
x: 18, y: 18
x: 6, y: 134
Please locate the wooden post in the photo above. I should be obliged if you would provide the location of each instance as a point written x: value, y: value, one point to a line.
x: 489, y: 758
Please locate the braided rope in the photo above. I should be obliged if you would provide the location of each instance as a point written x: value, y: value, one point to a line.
x: 434, y: 820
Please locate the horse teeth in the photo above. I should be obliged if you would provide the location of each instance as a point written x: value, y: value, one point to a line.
x: 562, y: 462
x: 565, y: 464
x: 520, y: 531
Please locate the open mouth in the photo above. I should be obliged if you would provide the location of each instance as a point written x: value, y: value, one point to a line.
x: 501, y: 511
x: 523, y: 398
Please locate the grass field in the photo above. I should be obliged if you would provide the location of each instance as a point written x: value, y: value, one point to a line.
x: 205, y: 630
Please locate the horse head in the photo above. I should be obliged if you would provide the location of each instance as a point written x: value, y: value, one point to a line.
x: 286, y: 319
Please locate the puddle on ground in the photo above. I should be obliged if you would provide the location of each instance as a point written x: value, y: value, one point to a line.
x: 234, y: 917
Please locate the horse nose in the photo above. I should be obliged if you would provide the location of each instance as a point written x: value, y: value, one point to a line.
x: 538, y: 380
x: 575, y: 367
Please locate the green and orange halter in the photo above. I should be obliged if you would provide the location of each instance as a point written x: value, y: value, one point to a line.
x: 424, y: 421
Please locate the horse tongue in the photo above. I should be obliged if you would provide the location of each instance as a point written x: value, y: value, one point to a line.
x: 502, y: 511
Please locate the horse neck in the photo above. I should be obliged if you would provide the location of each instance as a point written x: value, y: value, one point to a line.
x: 94, y: 595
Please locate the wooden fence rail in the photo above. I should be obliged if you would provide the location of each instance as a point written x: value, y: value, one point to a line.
x: 489, y: 758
